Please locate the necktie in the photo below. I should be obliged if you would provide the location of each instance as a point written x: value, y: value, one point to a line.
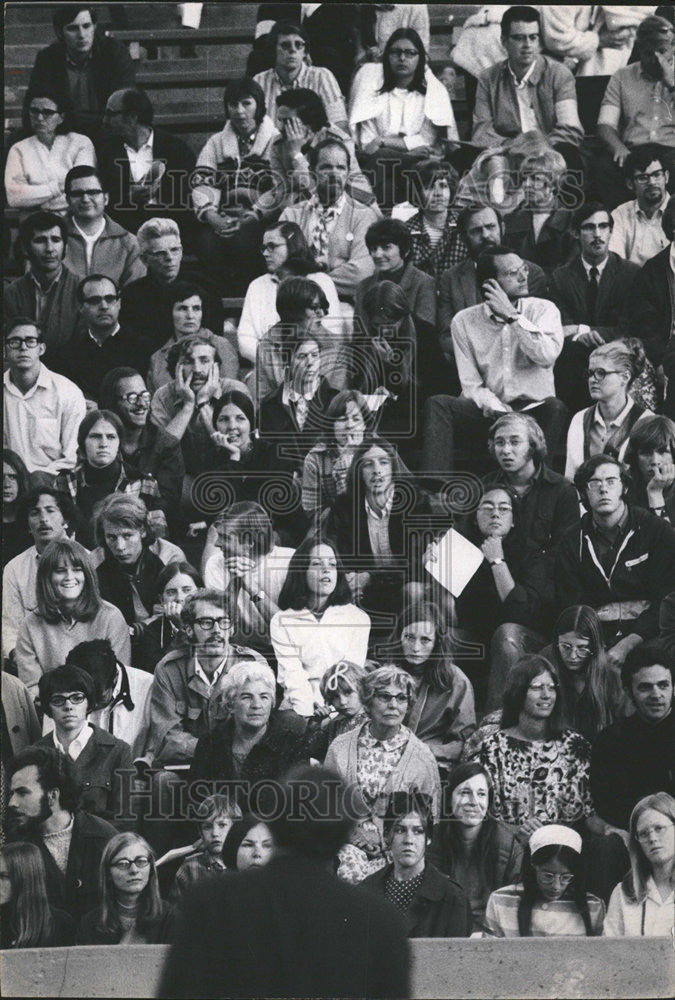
x: 592, y: 293
x: 325, y: 216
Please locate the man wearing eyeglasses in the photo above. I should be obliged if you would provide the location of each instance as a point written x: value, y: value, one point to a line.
x: 100, y: 343
x: 620, y: 559
x: 42, y: 409
x: 594, y: 293
x: 95, y: 243
x: 638, y: 232
x: 185, y: 699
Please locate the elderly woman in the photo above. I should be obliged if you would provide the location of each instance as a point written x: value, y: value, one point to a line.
x: 69, y: 611
x: 606, y: 425
x: 68, y: 696
x: 36, y: 167
x: 380, y: 757
x: 234, y: 169
x: 187, y: 306
x: 650, y: 457
x: 538, y: 768
x: 644, y: 903
x: 287, y: 254
x: 255, y: 742
x: 480, y: 853
x: 317, y: 624
x: 131, y: 910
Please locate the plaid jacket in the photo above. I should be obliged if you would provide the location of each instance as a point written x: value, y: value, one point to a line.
x: 145, y: 486
x: 449, y: 251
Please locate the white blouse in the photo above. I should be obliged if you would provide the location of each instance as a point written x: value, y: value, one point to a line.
x: 654, y: 917
x: 305, y: 648
x: 35, y: 175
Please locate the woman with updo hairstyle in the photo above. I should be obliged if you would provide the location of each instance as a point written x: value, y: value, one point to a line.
x: 286, y: 254
x: 479, y: 852
x: 650, y: 457
x: 551, y: 899
x: 605, y: 426
x: 381, y: 756
x: 26, y: 918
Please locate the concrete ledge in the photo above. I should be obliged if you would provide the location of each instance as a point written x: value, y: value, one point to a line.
x: 445, y: 968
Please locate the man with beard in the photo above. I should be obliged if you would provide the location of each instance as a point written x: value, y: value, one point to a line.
x: 43, y: 810
x: 184, y: 407
x: 334, y: 224
x: 458, y: 289
x: 593, y: 293
x: 638, y: 233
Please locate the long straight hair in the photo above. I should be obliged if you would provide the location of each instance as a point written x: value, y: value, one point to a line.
x: 519, y: 678
x: 295, y: 591
x: 635, y: 883
x: 88, y: 603
x: 31, y: 921
x: 418, y: 81
x: 150, y: 903
x: 583, y: 620
x: 486, y: 850
x: 438, y: 669
x: 532, y: 894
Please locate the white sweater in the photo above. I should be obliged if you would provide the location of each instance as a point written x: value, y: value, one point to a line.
x: 35, y: 176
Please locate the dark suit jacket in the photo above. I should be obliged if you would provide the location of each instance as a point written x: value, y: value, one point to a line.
x: 112, y: 69
x: 652, y: 312
x: 568, y: 290
x: 85, y: 364
x: 290, y: 929
x: 458, y: 289
x: 173, y: 198
x: 439, y: 908
x: 556, y: 244
x: 104, y: 793
x: 277, y: 423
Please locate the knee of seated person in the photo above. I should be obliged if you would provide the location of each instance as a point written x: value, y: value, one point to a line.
x: 506, y: 637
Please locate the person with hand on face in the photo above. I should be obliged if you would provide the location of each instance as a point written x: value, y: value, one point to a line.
x: 551, y: 900
x: 69, y: 611
x: 187, y: 311
x: 341, y: 711
x: 164, y: 631
x: 644, y: 902
x: 316, y: 624
x: 505, y: 349
x: 638, y: 233
x: 618, y: 779
x: 42, y: 410
x: 100, y: 343
x: 433, y: 904
x: 292, y: 70
x: 37, y: 166
x: 188, y: 682
x: 620, y: 559
x: 95, y: 243
x: 479, y: 852
x: 47, y: 293
x: 49, y: 514
x: 15, y: 486
x: 613, y: 373
x: 82, y: 67
x: 650, y: 457
x: 130, y: 910
x: 67, y: 696
x: 184, y: 406
x: 27, y: 919
x: 325, y: 468
x: 145, y: 303
x: 101, y: 471
x: 335, y: 223
x: 44, y: 810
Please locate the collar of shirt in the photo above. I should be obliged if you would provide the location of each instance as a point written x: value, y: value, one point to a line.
x: 600, y: 267
x: 143, y: 152
x: 294, y: 83
x: 383, y: 512
x: 658, y: 214
x: 47, y: 290
x: 654, y: 894
x: 289, y: 395
x: 78, y: 745
x: 528, y: 78
x: 337, y: 207
x: 43, y: 382
x: 617, y: 421
x: 393, y: 743
x: 90, y: 236
x: 99, y: 343
x: 199, y: 672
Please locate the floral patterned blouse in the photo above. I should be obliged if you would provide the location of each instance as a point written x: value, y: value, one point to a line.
x: 547, y: 779
x: 376, y: 759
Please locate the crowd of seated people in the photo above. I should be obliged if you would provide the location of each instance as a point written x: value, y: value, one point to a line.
x: 411, y: 514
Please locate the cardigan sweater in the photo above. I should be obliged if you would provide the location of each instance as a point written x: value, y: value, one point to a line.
x: 35, y: 175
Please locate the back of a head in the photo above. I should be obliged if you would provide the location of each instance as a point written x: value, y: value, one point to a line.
x: 315, y: 820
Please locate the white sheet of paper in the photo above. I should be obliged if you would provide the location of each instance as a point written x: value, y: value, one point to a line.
x: 457, y: 561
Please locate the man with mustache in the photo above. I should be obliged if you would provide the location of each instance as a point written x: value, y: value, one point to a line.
x: 43, y: 809
x: 593, y: 293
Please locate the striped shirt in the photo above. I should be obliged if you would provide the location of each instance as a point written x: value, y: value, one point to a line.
x: 550, y: 918
x: 316, y: 78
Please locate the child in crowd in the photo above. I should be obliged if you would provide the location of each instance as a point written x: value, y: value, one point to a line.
x: 339, y: 687
x: 215, y: 816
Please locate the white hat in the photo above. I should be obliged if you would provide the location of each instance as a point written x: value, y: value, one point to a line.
x: 555, y: 834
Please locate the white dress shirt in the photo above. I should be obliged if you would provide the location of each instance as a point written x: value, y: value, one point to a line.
x: 140, y: 160
x: 653, y: 917
x: 636, y: 237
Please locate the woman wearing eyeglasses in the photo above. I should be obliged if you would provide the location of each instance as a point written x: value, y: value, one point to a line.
x: 551, y: 898
x: 606, y: 425
x: 131, y: 910
x: 643, y: 905
x: 36, y: 168
x: 381, y: 756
